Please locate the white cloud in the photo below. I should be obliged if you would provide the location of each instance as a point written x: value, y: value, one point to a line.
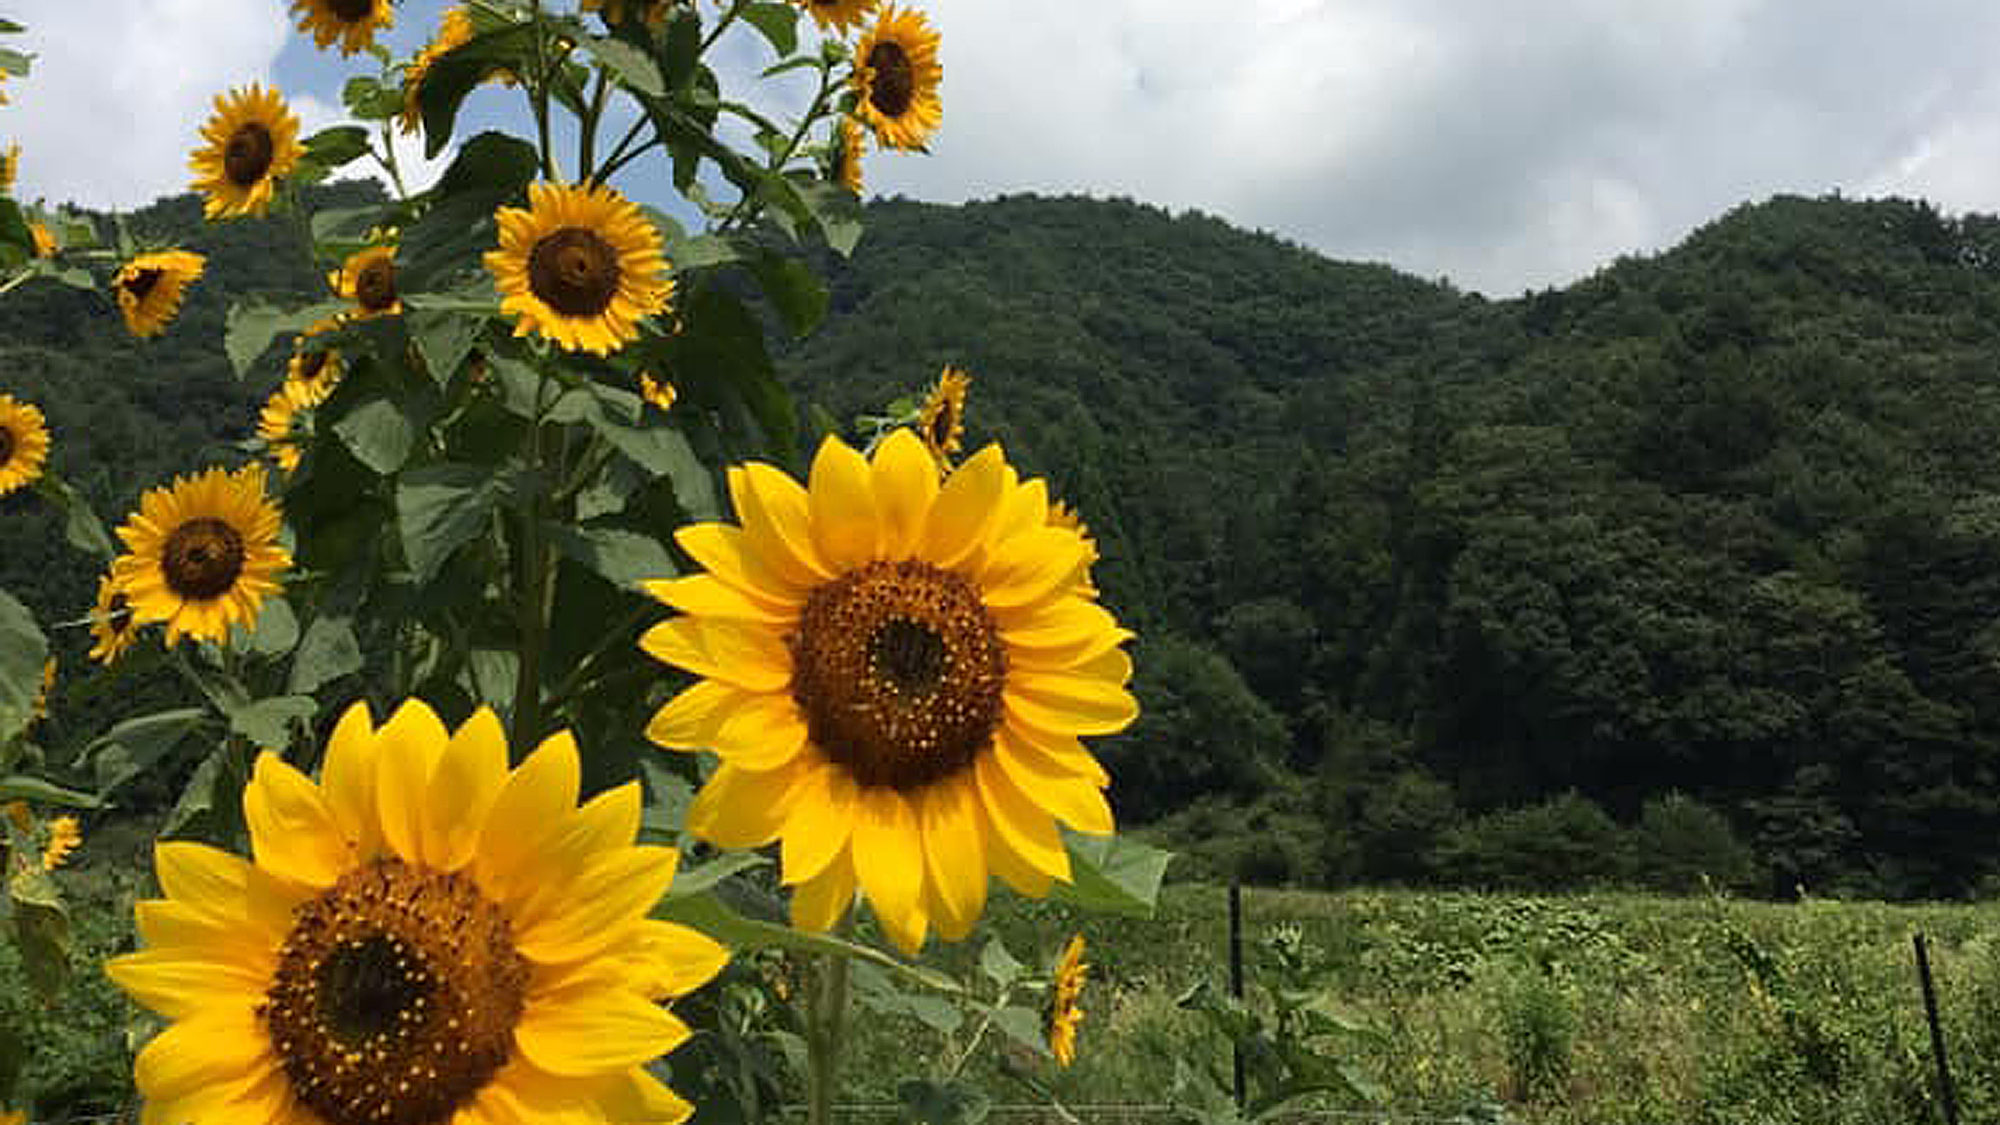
x: 120, y: 89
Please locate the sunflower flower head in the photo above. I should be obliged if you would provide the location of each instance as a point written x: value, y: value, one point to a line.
x: 252, y: 140
x: 112, y: 625
x: 454, y: 30
x: 64, y: 838
x: 19, y: 1116
x: 278, y: 425
x: 45, y: 241
x: 581, y: 266
x: 314, y: 372
x: 896, y: 672
x: 352, y: 22
x: 24, y: 444
x: 839, y: 17
x: 149, y: 288
x: 203, y: 554
x: 941, y: 421
x: 467, y: 932
x: 368, y: 278
x: 661, y: 395
x: 896, y: 79
x: 1062, y: 1015
x: 850, y: 144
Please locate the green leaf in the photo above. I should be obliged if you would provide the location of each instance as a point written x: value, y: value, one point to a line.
x: 1023, y: 1026
x: 624, y: 558
x: 41, y: 929
x: 698, y: 880
x: 779, y: 24
x: 661, y: 450
x: 490, y: 169
x: 23, y: 652
x: 344, y: 224
x: 276, y: 629
x: 328, y: 651
x: 210, y: 802
x: 706, y: 913
x: 338, y: 145
x: 80, y: 524
x: 250, y: 327
x: 268, y: 723
x: 453, y: 75
x: 135, y: 745
x: 370, y: 100
x: 949, y: 1101
x: 629, y: 65
x: 22, y: 788
x: 877, y: 991
x: 794, y: 289
x: 1113, y: 874
x: 701, y: 250
x: 440, y: 508
x: 380, y: 434
x: 836, y: 211
x: 443, y: 338
x: 999, y: 965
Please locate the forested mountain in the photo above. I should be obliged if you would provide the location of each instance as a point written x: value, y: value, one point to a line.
x: 1428, y: 586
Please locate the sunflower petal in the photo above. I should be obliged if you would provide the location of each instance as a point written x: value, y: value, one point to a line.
x: 906, y: 483
x: 533, y: 804
x: 293, y: 833
x: 1069, y: 704
x: 777, y: 522
x: 594, y: 1030
x: 635, y: 1097
x: 407, y: 749
x: 1025, y: 827
x: 954, y: 856
x: 761, y: 732
x: 180, y: 983
x: 889, y: 859
x: 689, y: 720
x: 820, y: 902
x: 841, y: 498
x: 733, y: 652
x: 220, y: 1049
x: 1031, y: 568
x: 462, y: 789
x: 740, y: 808
x: 348, y: 778
x: 1007, y: 864
x: 964, y: 509
x: 676, y: 959
x: 726, y: 553
x: 1074, y: 800
x: 821, y: 822
x: 598, y: 907
x: 709, y: 596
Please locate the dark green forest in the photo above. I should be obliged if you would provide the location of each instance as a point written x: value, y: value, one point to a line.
x: 1690, y: 569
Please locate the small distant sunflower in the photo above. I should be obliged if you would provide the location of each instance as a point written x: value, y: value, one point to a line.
x: 581, y: 266
x: 368, y: 278
x: 41, y: 705
x: 312, y: 374
x: 454, y: 30
x: 112, y: 625
x: 252, y: 140
x: 850, y: 143
x: 654, y: 12
x: 422, y: 937
x: 10, y: 166
x: 353, y: 22
x: 24, y: 444
x: 278, y: 426
x: 204, y: 554
x: 150, y: 286
x: 896, y: 672
x: 19, y: 1116
x: 941, y: 422
x: 64, y: 838
x: 897, y: 75
x: 1062, y: 1015
x: 45, y: 242
x: 839, y: 16
x: 662, y: 395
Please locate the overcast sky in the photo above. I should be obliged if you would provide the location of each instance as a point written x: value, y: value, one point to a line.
x: 1502, y: 145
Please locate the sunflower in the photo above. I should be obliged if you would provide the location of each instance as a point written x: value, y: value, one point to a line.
x: 252, y: 140
x: 24, y: 444
x: 581, y: 266
x: 424, y: 936
x: 10, y: 166
x: 941, y: 422
x: 278, y: 426
x: 45, y: 242
x: 662, y: 395
x: 654, y: 12
x: 19, y: 1116
x: 353, y: 22
x: 150, y: 286
x: 368, y: 278
x: 64, y: 837
x: 896, y: 76
x: 312, y: 374
x: 40, y: 709
x: 838, y: 16
x: 454, y: 30
x: 896, y: 673
x: 112, y: 626
x: 204, y: 554
x: 1061, y: 1017
x: 850, y: 142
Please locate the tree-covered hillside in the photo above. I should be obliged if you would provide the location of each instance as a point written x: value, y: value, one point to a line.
x: 1427, y: 586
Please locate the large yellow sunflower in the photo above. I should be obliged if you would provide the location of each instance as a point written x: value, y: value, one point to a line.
x: 895, y: 674
x: 581, y: 266
x: 941, y: 422
x: 353, y: 22
x: 278, y: 425
x: 112, y: 625
x: 897, y: 75
x: 423, y: 937
x: 204, y: 554
x: 368, y: 278
x: 24, y: 444
x: 1062, y: 1015
x: 252, y: 140
x: 838, y: 16
x: 150, y: 286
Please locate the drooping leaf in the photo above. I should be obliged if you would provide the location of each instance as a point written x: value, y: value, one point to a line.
x: 1113, y: 874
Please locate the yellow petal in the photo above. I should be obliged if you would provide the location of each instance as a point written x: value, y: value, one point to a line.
x: 608, y: 822
x: 777, y: 523
x: 635, y: 1097
x: 689, y: 720
x: 164, y: 923
x: 1056, y: 753
x: 954, y: 856
x: 1060, y: 635
x: 678, y: 960
x: 1074, y: 800
x: 761, y: 731
x: 965, y: 508
x: 819, y: 903
x: 593, y: 1030
x: 748, y: 656
x: 532, y: 806
x: 889, y: 860
x: 407, y: 749
x: 179, y: 983
x: 1007, y: 864
x: 1068, y: 704
x: 1031, y: 568
x: 821, y: 821
x: 906, y: 482
x: 348, y: 779
x: 1025, y: 827
x: 739, y: 808
x: 292, y: 831
x: 227, y: 889
x: 598, y: 907
x: 221, y: 1050
x: 709, y: 596
x: 841, y: 497
x: 462, y: 789
x: 725, y: 552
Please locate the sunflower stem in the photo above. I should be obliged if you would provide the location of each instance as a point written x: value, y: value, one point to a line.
x: 780, y: 159
x: 586, y: 132
x: 824, y: 1018
x: 538, y: 95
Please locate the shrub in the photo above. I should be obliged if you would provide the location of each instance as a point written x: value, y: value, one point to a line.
x: 1565, y: 842
x: 1679, y: 840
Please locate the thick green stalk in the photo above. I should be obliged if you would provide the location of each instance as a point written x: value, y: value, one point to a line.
x: 825, y: 1017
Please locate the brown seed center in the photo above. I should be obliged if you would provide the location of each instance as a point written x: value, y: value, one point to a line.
x: 898, y: 669
x: 375, y: 286
x: 895, y: 80
x: 395, y: 997
x: 574, y: 271
x: 248, y: 154
x: 352, y: 11
x: 141, y: 283
x: 202, y: 559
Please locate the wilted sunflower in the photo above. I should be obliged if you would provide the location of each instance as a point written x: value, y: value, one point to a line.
x: 204, y: 554
x: 64, y: 838
x: 654, y: 12
x: 353, y: 22
x: 45, y: 242
x: 662, y: 395
x: 850, y: 143
x: 278, y: 425
x: 422, y: 937
x: 454, y: 30
x: 941, y: 422
x: 896, y: 75
x: 24, y: 444
x: 1061, y: 1017
x: 581, y: 266
x: 112, y: 626
x: 839, y: 16
x: 150, y: 286
x: 368, y: 278
x: 252, y: 140
x: 896, y: 673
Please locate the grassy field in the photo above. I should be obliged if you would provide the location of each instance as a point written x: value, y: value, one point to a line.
x: 1600, y: 1009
